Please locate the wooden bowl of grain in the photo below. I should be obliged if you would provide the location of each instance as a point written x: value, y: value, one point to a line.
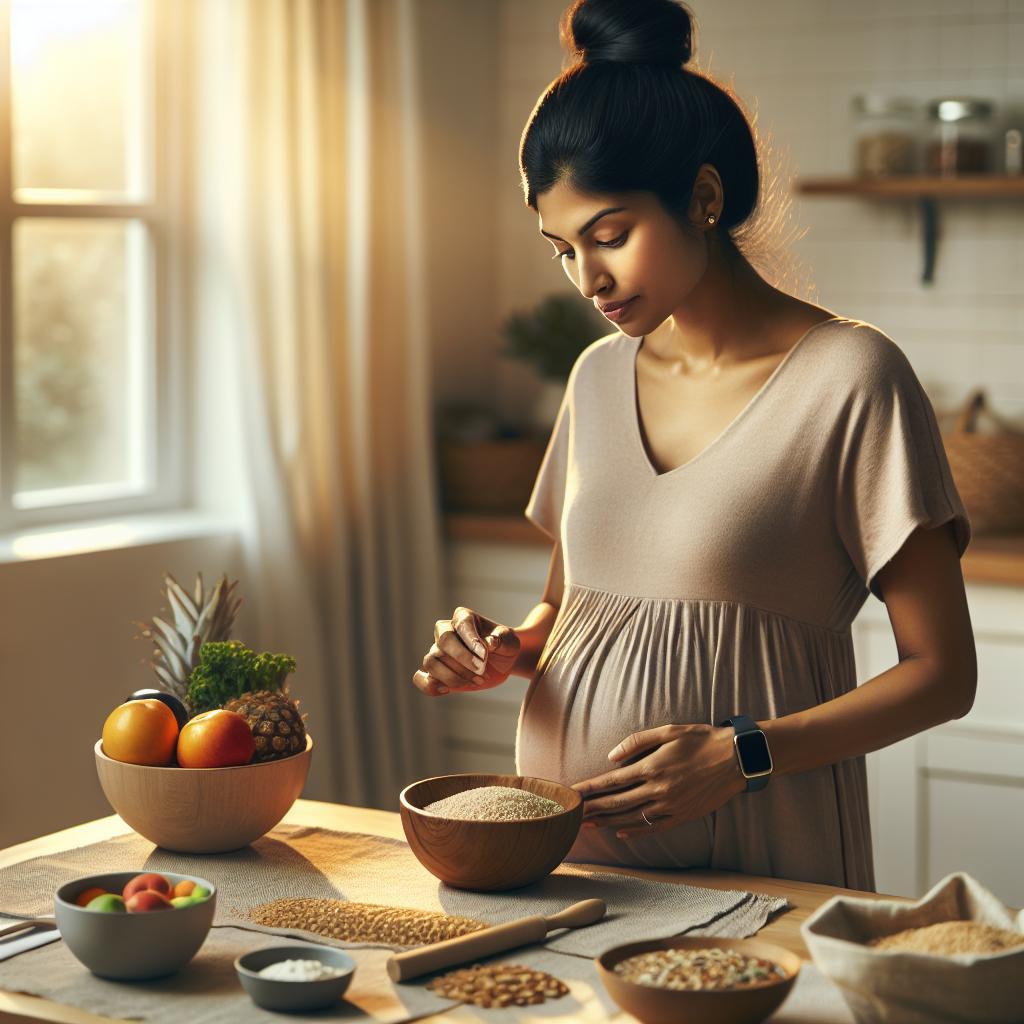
x: 488, y: 853
x: 203, y: 810
x: 665, y: 963
x: 957, y: 953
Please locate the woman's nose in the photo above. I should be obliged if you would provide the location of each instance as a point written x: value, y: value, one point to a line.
x: 593, y: 279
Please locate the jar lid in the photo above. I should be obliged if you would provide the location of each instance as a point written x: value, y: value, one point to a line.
x: 960, y: 108
x: 880, y: 105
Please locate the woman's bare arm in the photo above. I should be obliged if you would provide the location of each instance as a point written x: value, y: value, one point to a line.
x: 536, y: 627
x: 933, y: 682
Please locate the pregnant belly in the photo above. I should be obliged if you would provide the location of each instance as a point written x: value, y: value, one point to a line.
x: 574, y: 713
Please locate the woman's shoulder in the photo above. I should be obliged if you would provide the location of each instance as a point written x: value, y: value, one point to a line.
x: 601, y: 355
x: 859, y: 355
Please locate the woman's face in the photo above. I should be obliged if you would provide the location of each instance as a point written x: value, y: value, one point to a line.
x: 624, y: 248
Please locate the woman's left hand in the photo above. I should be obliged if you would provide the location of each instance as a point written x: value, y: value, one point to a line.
x: 690, y: 771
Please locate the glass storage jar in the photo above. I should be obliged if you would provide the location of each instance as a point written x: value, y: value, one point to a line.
x: 961, y: 136
x: 886, y: 130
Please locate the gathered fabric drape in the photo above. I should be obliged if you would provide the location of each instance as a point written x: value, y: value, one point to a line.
x: 307, y: 266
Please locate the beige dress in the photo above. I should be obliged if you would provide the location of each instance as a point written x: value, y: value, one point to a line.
x: 728, y: 585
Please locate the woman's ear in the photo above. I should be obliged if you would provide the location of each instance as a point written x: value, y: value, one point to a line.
x: 707, y: 198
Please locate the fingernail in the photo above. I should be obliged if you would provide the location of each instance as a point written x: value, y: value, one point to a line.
x: 614, y: 755
x: 442, y: 689
x: 478, y: 666
x: 479, y: 680
x: 620, y: 835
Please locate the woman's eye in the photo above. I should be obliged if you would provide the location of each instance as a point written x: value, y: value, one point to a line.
x: 559, y: 255
x: 616, y: 242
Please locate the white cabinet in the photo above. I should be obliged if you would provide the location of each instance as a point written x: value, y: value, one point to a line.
x: 949, y: 799
x: 952, y: 798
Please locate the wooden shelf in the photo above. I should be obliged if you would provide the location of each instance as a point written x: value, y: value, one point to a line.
x: 926, y: 191
x: 997, y: 560
x: 976, y: 186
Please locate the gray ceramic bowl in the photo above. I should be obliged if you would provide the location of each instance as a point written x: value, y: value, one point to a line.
x: 294, y: 995
x: 132, y: 947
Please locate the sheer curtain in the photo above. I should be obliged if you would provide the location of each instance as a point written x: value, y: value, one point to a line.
x: 308, y: 311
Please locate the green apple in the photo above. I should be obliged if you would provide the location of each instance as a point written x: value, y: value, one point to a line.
x: 108, y: 903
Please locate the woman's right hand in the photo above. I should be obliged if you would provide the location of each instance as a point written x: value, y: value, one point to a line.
x: 470, y: 652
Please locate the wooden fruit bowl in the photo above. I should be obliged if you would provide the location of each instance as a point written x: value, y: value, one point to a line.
x: 203, y: 810
x: 489, y: 855
x: 748, y: 1005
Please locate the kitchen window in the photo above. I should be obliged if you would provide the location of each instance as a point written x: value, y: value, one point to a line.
x: 89, y: 391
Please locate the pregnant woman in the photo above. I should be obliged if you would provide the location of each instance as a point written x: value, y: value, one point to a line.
x: 731, y: 472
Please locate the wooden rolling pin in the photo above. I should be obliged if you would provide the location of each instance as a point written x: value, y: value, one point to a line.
x: 476, y: 945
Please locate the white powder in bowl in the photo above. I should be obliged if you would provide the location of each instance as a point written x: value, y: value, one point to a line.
x: 300, y: 970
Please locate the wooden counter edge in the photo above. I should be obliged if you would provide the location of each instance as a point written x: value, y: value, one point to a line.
x: 783, y: 930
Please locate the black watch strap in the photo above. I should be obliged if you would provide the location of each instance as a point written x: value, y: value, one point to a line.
x: 754, y: 757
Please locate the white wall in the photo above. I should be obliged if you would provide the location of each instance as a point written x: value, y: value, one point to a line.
x: 68, y: 656
x: 797, y: 63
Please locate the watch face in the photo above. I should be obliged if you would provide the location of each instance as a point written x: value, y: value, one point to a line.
x: 753, y: 751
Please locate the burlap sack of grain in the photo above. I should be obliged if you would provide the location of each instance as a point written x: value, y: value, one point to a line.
x: 901, y: 987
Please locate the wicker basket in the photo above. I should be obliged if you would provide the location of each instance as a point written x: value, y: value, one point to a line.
x: 489, y: 477
x: 988, y: 470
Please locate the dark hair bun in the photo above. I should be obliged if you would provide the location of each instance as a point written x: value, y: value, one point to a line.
x: 628, y: 32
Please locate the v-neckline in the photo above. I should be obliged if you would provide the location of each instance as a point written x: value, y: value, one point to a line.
x: 638, y: 432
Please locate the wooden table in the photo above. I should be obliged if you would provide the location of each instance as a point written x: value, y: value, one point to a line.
x: 784, y: 930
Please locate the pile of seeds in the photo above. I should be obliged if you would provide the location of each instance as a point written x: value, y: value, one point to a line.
x: 363, y: 922
x: 494, y: 803
x: 950, y: 937
x: 498, y: 985
x: 698, y: 968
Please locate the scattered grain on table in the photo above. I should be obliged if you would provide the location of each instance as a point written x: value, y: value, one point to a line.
x: 497, y: 985
x: 948, y: 938
x: 494, y: 803
x: 363, y: 922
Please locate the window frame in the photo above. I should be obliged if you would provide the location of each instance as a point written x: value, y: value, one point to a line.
x: 163, y: 356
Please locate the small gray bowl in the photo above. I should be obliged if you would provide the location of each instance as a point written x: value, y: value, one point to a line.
x: 132, y: 947
x: 294, y: 995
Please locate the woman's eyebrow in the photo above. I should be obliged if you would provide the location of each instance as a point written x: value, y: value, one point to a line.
x: 590, y: 223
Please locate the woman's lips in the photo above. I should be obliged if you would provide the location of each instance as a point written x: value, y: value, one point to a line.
x: 615, y: 315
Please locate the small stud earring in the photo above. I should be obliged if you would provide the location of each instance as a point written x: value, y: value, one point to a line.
x: 712, y: 218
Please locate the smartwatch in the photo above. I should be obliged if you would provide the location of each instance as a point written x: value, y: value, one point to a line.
x: 751, y: 751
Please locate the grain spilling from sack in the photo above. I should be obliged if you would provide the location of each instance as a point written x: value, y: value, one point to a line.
x: 496, y: 985
x: 494, y: 803
x: 950, y: 937
x: 363, y: 922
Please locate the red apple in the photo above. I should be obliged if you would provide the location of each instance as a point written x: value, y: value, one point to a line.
x: 140, y: 883
x: 147, y: 900
x: 215, y: 739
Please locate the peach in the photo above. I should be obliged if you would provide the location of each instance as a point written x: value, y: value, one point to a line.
x: 146, y: 900
x: 216, y: 739
x: 152, y: 881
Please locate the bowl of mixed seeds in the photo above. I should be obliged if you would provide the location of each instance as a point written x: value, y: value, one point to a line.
x: 490, y: 832
x: 713, y: 981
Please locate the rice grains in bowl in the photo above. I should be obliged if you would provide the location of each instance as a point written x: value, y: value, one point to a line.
x: 490, y: 832
x: 494, y: 803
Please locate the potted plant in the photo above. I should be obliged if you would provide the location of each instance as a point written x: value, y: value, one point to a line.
x: 550, y: 337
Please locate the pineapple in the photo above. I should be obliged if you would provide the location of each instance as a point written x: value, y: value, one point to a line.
x: 204, y: 617
x: 274, y: 719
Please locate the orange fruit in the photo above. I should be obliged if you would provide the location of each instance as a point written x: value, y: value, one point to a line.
x: 86, y: 896
x: 141, y: 732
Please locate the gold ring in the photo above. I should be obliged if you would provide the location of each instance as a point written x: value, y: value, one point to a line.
x: 643, y: 814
